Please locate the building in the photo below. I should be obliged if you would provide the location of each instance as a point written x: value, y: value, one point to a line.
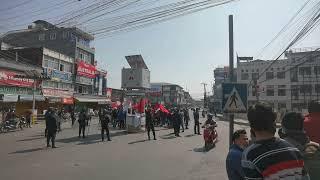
x: 173, y: 94
x: 17, y: 93
x: 220, y: 76
x: 304, y: 77
x: 270, y: 86
x: 69, y: 41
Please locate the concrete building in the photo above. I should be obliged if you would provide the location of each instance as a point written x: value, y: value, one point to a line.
x: 71, y: 42
x: 304, y: 77
x: 220, y: 76
x: 273, y: 84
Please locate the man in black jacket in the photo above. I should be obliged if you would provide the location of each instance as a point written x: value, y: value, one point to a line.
x: 83, y: 117
x: 105, y: 119
x: 196, y: 121
x: 150, y: 123
x: 51, y: 126
x: 176, y: 122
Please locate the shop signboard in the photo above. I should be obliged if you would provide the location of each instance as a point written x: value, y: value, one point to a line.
x: 7, y: 78
x: 68, y: 100
x: 17, y: 90
x: 87, y: 70
x: 56, y: 93
x: 58, y: 75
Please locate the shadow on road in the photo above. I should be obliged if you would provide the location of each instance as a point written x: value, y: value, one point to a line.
x: 90, y: 139
x: 30, y: 139
x: 203, y: 149
x: 191, y: 135
x: 139, y: 141
x: 27, y: 151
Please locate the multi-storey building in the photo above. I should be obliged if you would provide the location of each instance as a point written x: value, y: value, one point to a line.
x: 304, y: 77
x: 71, y: 42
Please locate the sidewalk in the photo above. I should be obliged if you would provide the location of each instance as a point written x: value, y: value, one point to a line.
x: 238, y: 121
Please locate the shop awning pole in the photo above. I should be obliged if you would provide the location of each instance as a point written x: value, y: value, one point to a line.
x: 34, y: 101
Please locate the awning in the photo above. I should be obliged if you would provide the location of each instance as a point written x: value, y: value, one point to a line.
x: 30, y: 98
x: 9, y: 98
x: 94, y: 100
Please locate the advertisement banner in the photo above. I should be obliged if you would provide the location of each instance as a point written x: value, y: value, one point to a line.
x: 56, y: 93
x: 7, y: 78
x: 58, y: 75
x: 67, y: 100
x: 87, y: 70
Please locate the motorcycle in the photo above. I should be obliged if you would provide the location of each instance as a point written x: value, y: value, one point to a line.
x: 210, y: 136
x: 10, y: 125
x: 22, y: 123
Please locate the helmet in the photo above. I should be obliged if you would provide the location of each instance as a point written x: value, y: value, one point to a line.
x: 210, y: 116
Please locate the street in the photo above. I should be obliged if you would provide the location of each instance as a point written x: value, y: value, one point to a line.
x: 24, y: 155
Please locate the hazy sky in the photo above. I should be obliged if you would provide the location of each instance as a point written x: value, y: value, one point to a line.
x: 187, y: 49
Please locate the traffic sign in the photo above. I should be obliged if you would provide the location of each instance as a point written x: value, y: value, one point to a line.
x: 234, y: 97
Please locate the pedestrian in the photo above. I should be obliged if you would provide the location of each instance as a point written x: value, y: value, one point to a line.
x: 186, y: 117
x: 28, y: 119
x: 51, y: 124
x: 58, y: 117
x: 292, y: 130
x: 83, y: 117
x: 233, y: 161
x: 105, y: 119
x: 196, y: 117
x: 150, y: 123
x: 176, y: 122
x: 114, y: 117
x: 270, y: 157
x: 312, y: 120
x: 73, y: 117
x: 181, y: 119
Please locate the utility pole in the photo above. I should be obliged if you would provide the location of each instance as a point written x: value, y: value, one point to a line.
x: 204, y: 95
x: 231, y: 59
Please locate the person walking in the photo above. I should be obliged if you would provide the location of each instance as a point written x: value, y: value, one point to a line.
x: 51, y: 124
x: 28, y: 119
x: 176, y: 122
x: 186, y: 117
x: 105, y: 119
x: 233, y: 161
x: 270, y: 157
x: 181, y: 119
x: 150, y: 123
x: 83, y: 117
x: 196, y: 117
x: 73, y: 117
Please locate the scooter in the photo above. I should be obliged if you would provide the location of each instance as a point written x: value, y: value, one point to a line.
x: 210, y: 136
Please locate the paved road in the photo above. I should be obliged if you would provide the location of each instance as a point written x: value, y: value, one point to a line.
x: 23, y: 155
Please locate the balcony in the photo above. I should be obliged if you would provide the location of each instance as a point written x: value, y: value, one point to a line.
x: 86, y: 48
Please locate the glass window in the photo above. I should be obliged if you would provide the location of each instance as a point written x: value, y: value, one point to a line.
x: 53, y: 36
x: 307, y: 88
x: 61, y: 67
x: 282, y: 90
x: 305, y: 71
x: 281, y: 75
x: 270, y: 90
x: 65, y: 35
x: 294, y: 75
x: 269, y: 75
x: 295, y: 92
x: 244, y: 76
x: 253, y: 91
x: 317, y: 70
x: 45, y: 63
x: 42, y: 37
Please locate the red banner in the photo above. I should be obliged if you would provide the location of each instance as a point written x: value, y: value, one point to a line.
x: 67, y: 100
x: 87, y: 70
x: 7, y: 78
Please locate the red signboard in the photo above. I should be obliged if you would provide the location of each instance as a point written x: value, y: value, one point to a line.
x: 7, y: 78
x: 67, y: 100
x: 87, y: 70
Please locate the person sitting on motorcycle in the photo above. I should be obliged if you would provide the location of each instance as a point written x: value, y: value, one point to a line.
x: 210, y: 121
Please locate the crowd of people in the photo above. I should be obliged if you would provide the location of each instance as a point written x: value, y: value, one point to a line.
x: 295, y: 155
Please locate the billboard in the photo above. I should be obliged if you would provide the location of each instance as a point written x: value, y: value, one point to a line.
x: 135, y: 78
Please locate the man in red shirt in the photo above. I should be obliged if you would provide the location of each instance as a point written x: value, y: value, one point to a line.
x: 312, y: 121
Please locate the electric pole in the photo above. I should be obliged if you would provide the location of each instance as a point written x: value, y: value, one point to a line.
x: 204, y: 95
x: 231, y: 77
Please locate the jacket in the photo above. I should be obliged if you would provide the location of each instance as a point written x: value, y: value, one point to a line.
x: 233, y: 163
x: 311, y: 121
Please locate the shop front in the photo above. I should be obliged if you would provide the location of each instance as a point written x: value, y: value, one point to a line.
x: 57, y: 98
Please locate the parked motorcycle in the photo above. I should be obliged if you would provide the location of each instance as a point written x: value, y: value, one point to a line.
x: 210, y: 136
x: 22, y: 123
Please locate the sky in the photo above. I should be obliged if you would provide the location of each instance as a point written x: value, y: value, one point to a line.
x: 185, y: 50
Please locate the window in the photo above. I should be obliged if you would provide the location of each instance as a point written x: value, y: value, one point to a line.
x: 42, y: 37
x: 271, y: 69
x: 270, y: 90
x: 295, y: 92
x: 45, y: 63
x: 282, y: 90
x: 255, y: 75
x: 294, y: 75
x: 242, y: 70
x: 257, y: 70
x: 244, y: 76
x: 283, y: 68
x: 317, y: 70
x: 306, y: 89
x: 305, y: 71
x: 246, y: 70
x: 65, y: 35
x: 253, y: 91
x: 61, y: 67
x: 269, y: 75
x: 281, y: 75
x: 53, y: 36
x: 68, y: 67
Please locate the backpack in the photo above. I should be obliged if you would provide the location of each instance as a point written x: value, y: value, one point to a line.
x: 311, y: 158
